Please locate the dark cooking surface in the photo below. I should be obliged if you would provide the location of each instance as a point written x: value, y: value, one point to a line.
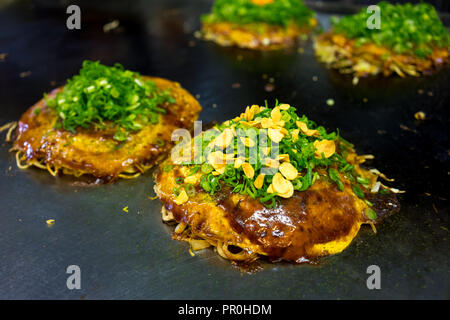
x: 131, y: 255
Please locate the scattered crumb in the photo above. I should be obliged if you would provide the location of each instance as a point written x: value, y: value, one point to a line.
x: 269, y: 87
x: 403, y: 127
x: 330, y: 102
x: 50, y: 222
x: 420, y: 91
x: 111, y: 26
x: 355, y: 81
x: 427, y: 194
x: 434, y: 208
x: 214, y: 105
x: 25, y: 74
x: 197, y: 34
x: 197, y: 96
x: 53, y: 83
x: 271, y: 80
x: 265, y: 76
x: 430, y: 93
x: 3, y: 56
x: 191, y: 43
x: 236, y: 85
x: 300, y: 50
x: 420, y: 115
x: 365, y: 100
x: 315, y: 78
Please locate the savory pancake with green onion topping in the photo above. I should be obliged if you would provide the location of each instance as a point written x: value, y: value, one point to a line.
x: 411, y: 41
x: 258, y: 24
x: 106, y: 123
x: 270, y: 183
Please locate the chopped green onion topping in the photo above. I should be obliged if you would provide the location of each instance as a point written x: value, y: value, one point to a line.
x: 279, y: 12
x: 405, y: 28
x: 167, y: 168
x: 102, y: 97
x: 333, y: 174
x: 297, y: 148
x: 357, y: 190
x: 370, y: 213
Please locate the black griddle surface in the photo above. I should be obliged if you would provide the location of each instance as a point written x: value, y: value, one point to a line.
x: 131, y: 255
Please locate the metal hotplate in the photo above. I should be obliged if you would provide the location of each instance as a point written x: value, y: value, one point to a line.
x: 131, y: 255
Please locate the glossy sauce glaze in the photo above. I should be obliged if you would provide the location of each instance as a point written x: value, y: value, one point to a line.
x: 290, y: 230
x: 317, y: 222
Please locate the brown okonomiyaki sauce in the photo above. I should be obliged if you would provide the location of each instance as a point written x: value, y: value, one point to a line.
x: 287, y: 231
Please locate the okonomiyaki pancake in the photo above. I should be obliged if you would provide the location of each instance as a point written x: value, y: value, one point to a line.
x: 410, y: 41
x: 306, y: 201
x: 258, y: 24
x: 104, y: 137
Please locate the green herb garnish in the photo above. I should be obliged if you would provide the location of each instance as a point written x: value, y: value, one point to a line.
x: 405, y: 28
x: 300, y: 164
x: 279, y: 12
x: 370, y: 213
x: 167, y: 168
x: 333, y: 174
x: 357, y: 190
x: 207, y: 168
x: 102, y: 97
